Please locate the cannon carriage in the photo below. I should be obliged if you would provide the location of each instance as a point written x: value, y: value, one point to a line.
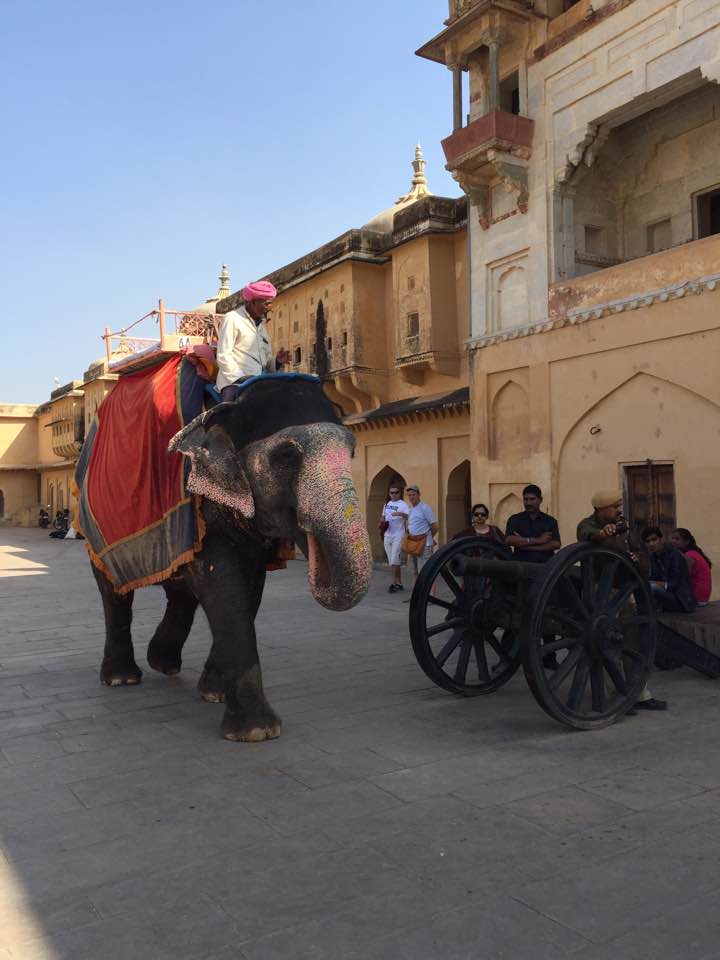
x: 582, y: 626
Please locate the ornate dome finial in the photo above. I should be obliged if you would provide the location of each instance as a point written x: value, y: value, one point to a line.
x: 419, y: 186
x: 224, y: 279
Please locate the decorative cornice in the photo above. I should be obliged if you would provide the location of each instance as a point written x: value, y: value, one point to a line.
x: 572, y: 318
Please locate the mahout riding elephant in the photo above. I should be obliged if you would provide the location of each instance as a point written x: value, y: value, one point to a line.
x: 275, y: 463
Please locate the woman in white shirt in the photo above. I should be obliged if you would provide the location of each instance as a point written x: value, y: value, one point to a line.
x: 394, y: 515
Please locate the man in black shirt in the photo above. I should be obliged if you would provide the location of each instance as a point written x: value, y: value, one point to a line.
x: 533, y: 535
x: 669, y: 573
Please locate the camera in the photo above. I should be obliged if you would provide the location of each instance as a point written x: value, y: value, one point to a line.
x: 621, y: 526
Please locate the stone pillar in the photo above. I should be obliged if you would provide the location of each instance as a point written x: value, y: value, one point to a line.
x: 457, y: 98
x: 493, y: 75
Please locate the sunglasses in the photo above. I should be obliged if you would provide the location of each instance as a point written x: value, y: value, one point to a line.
x: 479, y: 513
x: 394, y: 491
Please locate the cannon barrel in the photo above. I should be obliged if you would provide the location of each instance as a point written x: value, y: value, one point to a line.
x: 513, y: 571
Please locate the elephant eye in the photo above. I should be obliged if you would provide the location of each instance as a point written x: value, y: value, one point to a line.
x: 285, y: 456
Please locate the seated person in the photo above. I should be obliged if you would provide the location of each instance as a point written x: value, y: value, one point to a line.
x: 699, y: 563
x: 243, y: 348
x: 669, y: 573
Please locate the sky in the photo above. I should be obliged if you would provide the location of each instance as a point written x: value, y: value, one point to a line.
x: 146, y: 143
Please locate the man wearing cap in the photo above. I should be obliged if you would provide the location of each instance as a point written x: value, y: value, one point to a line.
x: 607, y: 525
x: 244, y: 342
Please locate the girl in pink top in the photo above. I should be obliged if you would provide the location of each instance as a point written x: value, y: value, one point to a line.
x: 697, y: 561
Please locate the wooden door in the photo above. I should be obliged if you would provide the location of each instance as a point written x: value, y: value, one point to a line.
x: 651, y: 497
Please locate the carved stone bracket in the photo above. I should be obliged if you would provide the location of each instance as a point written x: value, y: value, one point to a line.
x: 511, y: 170
x: 493, y: 147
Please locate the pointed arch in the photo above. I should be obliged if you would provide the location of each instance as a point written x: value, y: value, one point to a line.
x: 510, y: 423
x: 505, y: 508
x: 618, y: 386
x: 457, y: 499
x: 643, y: 418
x: 377, y: 498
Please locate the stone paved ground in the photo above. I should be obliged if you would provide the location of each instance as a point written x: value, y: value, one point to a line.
x: 391, y: 822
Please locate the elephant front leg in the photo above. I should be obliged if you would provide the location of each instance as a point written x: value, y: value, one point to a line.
x: 230, y: 589
x: 118, y: 667
x: 165, y: 649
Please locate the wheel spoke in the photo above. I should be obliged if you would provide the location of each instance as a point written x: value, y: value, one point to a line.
x: 481, y: 658
x: 597, y: 687
x: 565, y: 668
x: 564, y: 643
x: 579, y: 683
x: 444, y: 625
x: 449, y: 647
x: 437, y: 602
x: 575, y: 601
x: 614, y: 671
x: 451, y: 582
x: 605, y: 584
x: 464, y: 659
x: 587, y: 569
x: 620, y: 599
x: 554, y: 613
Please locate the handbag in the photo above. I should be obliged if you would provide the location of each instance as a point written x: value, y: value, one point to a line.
x: 414, y: 544
x: 383, y: 527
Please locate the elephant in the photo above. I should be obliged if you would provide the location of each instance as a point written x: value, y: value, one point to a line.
x: 274, y: 463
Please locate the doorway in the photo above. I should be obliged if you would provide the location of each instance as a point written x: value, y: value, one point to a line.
x: 457, y: 501
x: 650, y: 490
x: 377, y: 499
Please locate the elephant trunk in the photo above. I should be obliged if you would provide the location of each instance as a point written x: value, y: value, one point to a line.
x: 340, y: 563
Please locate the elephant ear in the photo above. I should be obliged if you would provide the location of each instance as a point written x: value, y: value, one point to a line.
x: 217, y: 470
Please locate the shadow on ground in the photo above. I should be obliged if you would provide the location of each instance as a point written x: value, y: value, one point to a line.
x: 391, y: 820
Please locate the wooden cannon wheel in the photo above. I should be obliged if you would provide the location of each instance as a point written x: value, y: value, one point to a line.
x: 593, y: 610
x: 461, y: 625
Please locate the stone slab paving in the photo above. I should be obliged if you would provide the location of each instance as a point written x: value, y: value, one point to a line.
x: 391, y: 820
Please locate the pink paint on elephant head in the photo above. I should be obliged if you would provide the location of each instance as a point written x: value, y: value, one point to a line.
x: 340, y: 563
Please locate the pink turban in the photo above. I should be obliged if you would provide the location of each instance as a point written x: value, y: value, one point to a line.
x: 260, y: 290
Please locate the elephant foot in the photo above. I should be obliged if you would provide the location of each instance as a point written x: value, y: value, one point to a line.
x: 211, y: 686
x: 266, y: 725
x: 120, y: 676
x: 165, y: 660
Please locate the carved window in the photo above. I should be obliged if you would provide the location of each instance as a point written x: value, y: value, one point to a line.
x: 595, y: 240
x: 329, y: 344
x: 707, y: 207
x: 510, y: 93
x: 297, y: 356
x: 411, y: 283
x: 413, y: 326
x: 296, y: 326
x: 345, y: 338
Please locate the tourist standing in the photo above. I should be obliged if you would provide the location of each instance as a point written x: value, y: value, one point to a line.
x: 420, y: 521
x: 480, y: 526
x: 533, y: 535
x: 394, y: 516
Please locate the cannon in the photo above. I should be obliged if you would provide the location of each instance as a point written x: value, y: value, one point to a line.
x: 582, y: 626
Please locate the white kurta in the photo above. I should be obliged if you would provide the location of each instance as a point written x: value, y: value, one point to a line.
x: 243, y: 348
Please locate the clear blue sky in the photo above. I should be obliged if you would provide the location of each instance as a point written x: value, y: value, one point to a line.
x: 145, y: 143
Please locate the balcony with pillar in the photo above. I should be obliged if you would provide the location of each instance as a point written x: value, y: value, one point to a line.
x: 491, y: 143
